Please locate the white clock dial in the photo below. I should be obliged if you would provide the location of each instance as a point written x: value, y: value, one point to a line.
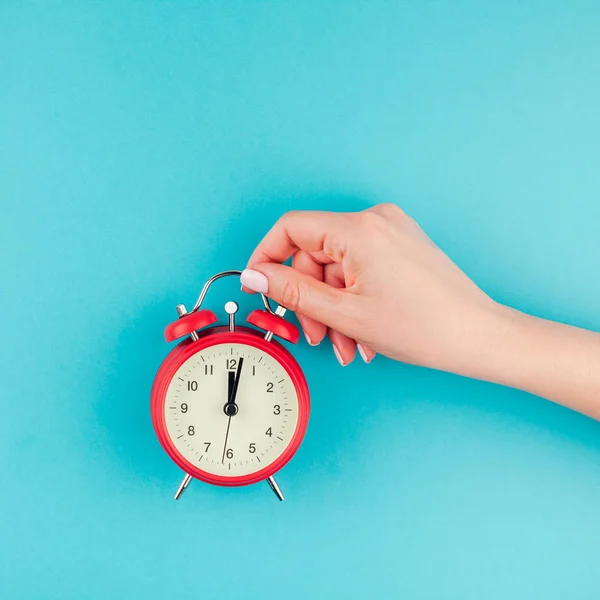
x: 266, y: 410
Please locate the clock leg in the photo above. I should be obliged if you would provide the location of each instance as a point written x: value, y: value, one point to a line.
x: 182, y: 486
x: 271, y: 481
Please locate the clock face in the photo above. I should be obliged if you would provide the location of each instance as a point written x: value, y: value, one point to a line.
x: 224, y: 437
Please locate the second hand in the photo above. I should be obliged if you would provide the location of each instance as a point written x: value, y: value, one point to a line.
x: 226, y: 436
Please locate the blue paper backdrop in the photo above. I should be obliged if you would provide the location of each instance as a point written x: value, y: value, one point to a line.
x: 146, y: 145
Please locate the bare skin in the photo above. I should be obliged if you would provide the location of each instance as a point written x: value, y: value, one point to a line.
x: 349, y: 269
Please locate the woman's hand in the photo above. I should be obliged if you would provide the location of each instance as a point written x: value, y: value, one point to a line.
x: 374, y: 279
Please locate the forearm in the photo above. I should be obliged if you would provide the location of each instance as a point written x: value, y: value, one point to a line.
x: 555, y: 361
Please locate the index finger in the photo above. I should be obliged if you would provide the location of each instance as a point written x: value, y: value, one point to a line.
x: 317, y: 232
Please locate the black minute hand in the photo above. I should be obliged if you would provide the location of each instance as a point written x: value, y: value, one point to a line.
x: 231, y: 407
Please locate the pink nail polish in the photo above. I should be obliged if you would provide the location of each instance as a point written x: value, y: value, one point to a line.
x: 362, y: 353
x: 254, y: 281
x: 339, y: 356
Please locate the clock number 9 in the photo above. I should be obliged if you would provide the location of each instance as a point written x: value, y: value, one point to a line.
x: 184, y: 407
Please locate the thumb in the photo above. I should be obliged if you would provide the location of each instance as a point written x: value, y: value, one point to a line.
x: 299, y: 292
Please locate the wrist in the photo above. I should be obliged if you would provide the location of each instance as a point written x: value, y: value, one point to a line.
x: 498, y: 337
x: 509, y: 346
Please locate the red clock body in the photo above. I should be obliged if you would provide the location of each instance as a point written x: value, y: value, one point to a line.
x: 230, y: 408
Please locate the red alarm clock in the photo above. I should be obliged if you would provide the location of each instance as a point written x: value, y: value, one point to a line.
x: 230, y: 404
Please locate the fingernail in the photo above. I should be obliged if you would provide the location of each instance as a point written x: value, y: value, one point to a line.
x: 339, y: 356
x: 310, y: 342
x: 362, y: 353
x: 255, y: 281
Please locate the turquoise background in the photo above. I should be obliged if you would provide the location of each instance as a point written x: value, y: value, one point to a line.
x: 147, y: 145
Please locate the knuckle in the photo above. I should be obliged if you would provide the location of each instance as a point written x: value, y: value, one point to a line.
x: 370, y: 221
x: 390, y: 210
x: 334, y: 247
x: 290, y: 214
x: 382, y: 219
x: 289, y: 217
x: 290, y: 295
x: 368, y: 217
